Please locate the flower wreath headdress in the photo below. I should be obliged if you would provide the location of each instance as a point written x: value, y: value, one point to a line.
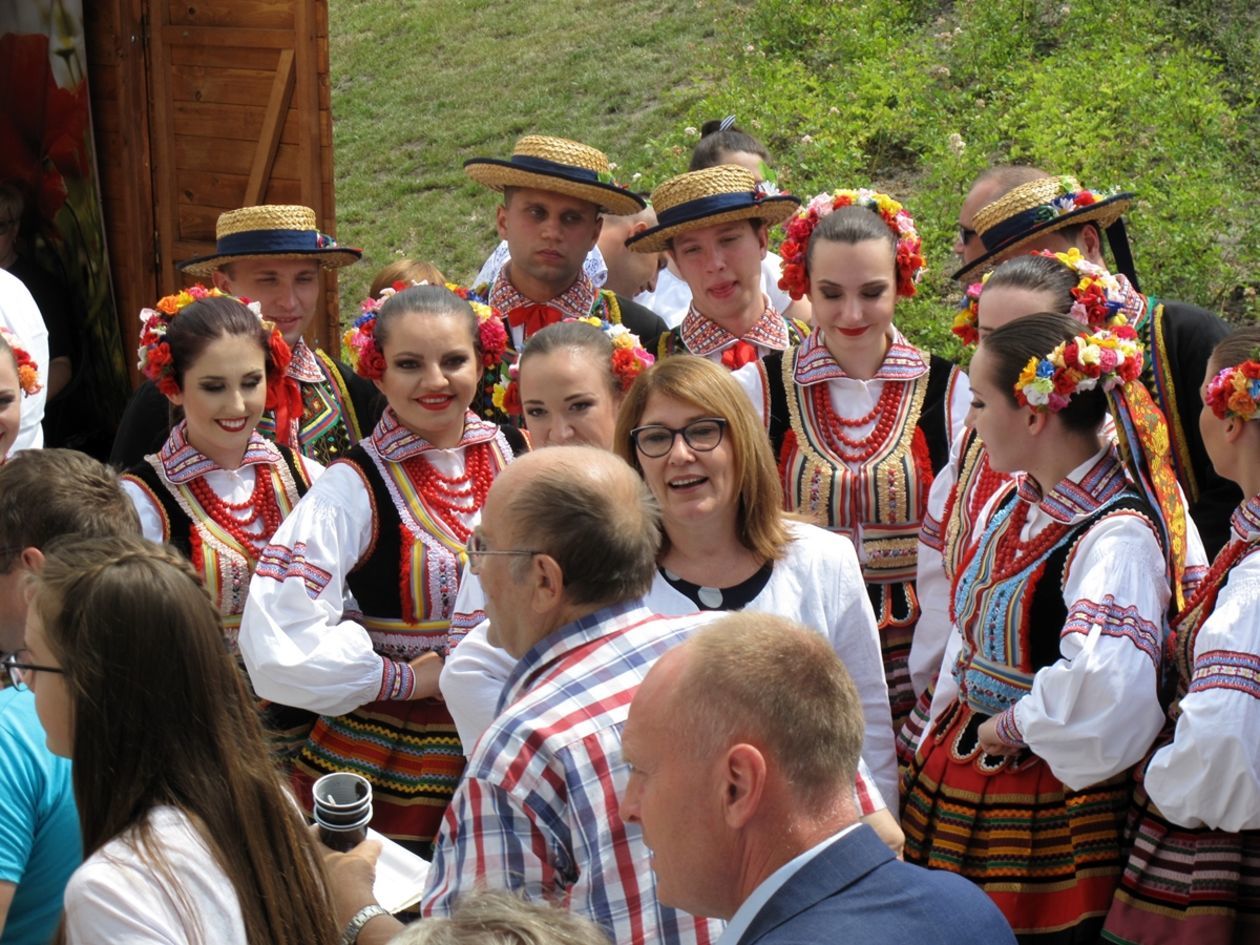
x: 1098, y: 296
x: 284, y: 394
x: 1105, y: 358
x: 910, y: 263
x: 1235, y: 390
x: 629, y: 360
x: 368, y: 361
x: 27, y: 368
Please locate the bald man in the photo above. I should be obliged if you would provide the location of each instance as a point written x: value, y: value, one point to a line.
x: 566, y: 549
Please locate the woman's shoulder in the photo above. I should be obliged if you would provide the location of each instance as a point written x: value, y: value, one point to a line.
x: 812, y: 544
x: 120, y: 888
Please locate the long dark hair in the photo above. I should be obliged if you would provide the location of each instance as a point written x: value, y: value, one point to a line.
x: 163, y: 717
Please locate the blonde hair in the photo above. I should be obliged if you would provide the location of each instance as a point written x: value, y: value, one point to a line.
x: 409, y: 271
x: 483, y: 917
x: 762, y: 522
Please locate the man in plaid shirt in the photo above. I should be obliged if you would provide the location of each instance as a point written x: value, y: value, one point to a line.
x: 566, y: 549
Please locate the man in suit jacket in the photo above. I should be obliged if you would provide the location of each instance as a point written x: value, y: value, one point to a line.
x: 742, y: 743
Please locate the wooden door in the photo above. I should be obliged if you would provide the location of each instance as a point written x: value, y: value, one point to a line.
x: 206, y: 107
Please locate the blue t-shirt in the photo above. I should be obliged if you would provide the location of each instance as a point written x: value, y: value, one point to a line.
x: 40, y: 844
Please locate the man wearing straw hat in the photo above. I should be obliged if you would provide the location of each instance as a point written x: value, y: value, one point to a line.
x: 1058, y: 214
x: 554, y: 192
x: 273, y: 254
x: 714, y: 224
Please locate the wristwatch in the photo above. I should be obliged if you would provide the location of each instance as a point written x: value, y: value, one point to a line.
x: 360, y: 919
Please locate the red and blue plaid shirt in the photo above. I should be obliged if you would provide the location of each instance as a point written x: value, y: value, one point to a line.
x: 537, y: 809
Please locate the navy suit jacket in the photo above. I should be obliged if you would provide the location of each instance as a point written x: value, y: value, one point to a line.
x: 857, y: 891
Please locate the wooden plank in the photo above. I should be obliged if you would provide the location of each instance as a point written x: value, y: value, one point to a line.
x: 273, y: 120
x: 311, y: 58
x: 222, y: 86
x: 196, y: 222
x: 215, y: 189
x: 190, y: 153
x: 117, y: 84
x: 257, y: 13
x: 225, y: 37
x: 235, y: 122
x: 229, y: 56
x: 162, y: 84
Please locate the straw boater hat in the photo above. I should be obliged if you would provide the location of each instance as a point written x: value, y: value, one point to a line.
x: 1036, y: 208
x: 274, y: 231
x: 706, y: 198
x: 560, y: 166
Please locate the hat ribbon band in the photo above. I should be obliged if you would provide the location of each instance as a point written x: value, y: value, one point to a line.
x: 705, y: 206
x: 274, y: 241
x: 1018, y: 225
x: 555, y: 167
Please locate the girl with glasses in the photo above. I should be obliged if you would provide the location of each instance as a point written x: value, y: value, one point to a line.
x: 188, y: 834
x: 689, y: 430
x: 350, y: 609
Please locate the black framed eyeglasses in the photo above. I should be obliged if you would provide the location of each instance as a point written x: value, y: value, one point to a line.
x: 475, y: 548
x: 655, y: 440
x: 21, y: 673
x: 965, y: 234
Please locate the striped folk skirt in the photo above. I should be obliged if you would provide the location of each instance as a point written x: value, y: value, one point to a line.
x: 1048, y: 856
x: 896, y: 612
x: 409, y: 751
x: 1186, y: 885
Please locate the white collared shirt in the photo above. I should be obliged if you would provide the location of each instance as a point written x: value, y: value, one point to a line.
x: 752, y: 906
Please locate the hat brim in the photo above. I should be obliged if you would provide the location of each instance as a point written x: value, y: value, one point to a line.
x: 327, y: 258
x: 497, y: 174
x: 1104, y: 213
x: 770, y: 210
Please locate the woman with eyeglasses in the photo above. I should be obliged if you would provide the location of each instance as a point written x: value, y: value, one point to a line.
x: 350, y: 606
x: 689, y: 430
x: 188, y: 833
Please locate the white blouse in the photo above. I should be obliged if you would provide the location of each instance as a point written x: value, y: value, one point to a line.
x: 1095, y: 711
x: 1209, y: 775
x: 299, y: 639
x: 818, y: 584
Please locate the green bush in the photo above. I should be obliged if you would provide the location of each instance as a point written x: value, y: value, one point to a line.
x: 916, y: 98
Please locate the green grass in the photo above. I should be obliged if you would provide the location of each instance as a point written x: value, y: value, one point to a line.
x: 912, y: 96
x: 418, y: 88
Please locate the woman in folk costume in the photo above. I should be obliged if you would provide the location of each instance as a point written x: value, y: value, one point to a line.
x: 1048, y: 693
x: 860, y: 419
x: 19, y: 377
x: 1193, y: 873
x: 714, y: 225
x: 1042, y: 281
x: 217, y: 490
x: 350, y: 607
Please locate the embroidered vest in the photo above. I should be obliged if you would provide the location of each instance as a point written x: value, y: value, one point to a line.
x: 224, y: 564
x: 976, y: 484
x: 329, y: 426
x: 1011, y: 623
x: 405, y: 584
x: 887, y: 495
x: 672, y: 343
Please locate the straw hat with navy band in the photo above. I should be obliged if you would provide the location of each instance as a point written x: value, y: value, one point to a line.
x: 1031, y: 210
x: 707, y: 198
x: 273, y: 231
x: 558, y: 165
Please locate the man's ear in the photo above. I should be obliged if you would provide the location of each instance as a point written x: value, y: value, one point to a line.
x: 500, y: 220
x: 222, y: 282
x: 546, y: 582
x: 744, y: 773
x: 32, y: 560
x: 1091, y: 244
